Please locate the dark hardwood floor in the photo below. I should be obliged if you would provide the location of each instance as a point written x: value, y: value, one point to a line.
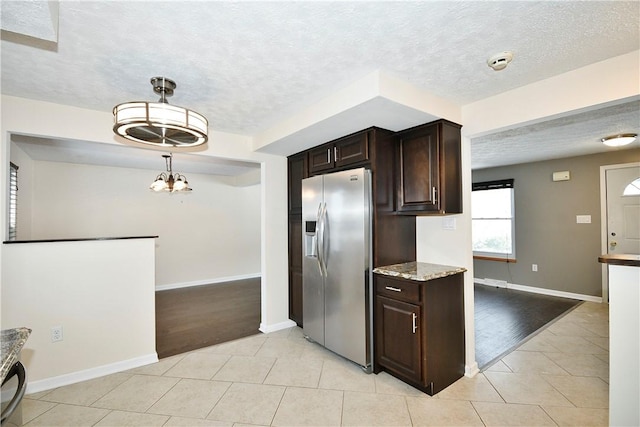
x: 200, y: 316
x: 506, y: 317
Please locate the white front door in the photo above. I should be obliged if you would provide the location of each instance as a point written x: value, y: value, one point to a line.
x: 623, y: 210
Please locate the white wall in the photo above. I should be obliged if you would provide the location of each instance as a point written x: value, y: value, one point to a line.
x: 59, y: 121
x: 210, y: 234
x: 275, y: 247
x: 624, y: 356
x: 100, y: 292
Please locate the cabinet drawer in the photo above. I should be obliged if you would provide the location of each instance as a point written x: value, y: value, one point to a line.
x: 404, y: 290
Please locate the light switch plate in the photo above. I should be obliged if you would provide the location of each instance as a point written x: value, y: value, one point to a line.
x: 448, y: 223
x: 583, y: 219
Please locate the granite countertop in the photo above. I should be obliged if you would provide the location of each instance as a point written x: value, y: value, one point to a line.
x: 12, y: 341
x: 419, y: 271
x: 630, y: 260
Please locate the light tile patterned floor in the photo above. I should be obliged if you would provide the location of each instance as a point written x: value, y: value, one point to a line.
x: 559, y: 377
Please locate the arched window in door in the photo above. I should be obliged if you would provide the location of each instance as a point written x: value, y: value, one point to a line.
x: 633, y: 189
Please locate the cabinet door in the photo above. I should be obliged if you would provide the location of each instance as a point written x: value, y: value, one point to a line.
x: 297, y: 170
x: 295, y: 297
x: 295, y: 269
x: 321, y: 159
x: 418, y: 183
x: 350, y: 150
x: 398, y: 342
x: 295, y: 243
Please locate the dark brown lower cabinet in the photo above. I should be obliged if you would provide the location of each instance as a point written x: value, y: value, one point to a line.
x: 419, y: 330
x: 295, y: 297
x: 400, y: 347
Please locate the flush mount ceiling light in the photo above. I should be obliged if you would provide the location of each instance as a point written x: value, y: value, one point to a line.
x: 499, y: 61
x: 158, y: 123
x: 169, y: 182
x: 619, y: 140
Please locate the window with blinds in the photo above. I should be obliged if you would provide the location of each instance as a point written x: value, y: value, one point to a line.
x: 493, y: 219
x: 13, y: 201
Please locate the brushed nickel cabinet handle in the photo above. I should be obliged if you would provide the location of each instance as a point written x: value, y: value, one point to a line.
x: 391, y: 288
x: 415, y: 326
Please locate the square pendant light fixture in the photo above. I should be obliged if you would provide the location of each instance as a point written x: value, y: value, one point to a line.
x: 158, y: 123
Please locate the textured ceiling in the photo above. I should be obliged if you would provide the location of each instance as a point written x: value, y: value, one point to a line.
x: 563, y: 137
x: 248, y: 65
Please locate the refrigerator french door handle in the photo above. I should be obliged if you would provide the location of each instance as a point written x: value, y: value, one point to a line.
x: 322, y: 249
x: 318, y: 238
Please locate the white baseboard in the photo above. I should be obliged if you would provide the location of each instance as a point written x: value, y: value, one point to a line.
x: 89, y: 374
x: 277, y: 326
x: 471, y: 370
x: 206, y: 282
x: 532, y: 289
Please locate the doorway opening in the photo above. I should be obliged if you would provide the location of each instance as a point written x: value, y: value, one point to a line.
x: 620, y: 210
x: 200, y: 316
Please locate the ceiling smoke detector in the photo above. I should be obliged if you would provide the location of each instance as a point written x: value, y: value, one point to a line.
x: 499, y: 61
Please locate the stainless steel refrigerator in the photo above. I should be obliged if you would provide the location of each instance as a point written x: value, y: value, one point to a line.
x: 337, y: 279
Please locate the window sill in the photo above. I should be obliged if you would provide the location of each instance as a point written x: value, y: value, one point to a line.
x: 490, y: 258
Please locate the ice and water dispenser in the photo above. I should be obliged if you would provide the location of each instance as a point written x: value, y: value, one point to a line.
x: 310, y: 239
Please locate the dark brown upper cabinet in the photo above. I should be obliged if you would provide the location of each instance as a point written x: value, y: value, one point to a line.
x: 428, y: 169
x: 297, y: 170
x: 347, y: 151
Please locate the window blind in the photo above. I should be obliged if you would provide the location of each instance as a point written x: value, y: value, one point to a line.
x: 13, y: 201
x: 492, y: 185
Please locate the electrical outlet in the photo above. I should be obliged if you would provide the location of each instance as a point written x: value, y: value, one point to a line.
x: 534, y: 267
x: 56, y: 334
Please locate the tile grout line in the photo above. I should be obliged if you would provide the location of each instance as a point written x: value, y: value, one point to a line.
x: 345, y: 413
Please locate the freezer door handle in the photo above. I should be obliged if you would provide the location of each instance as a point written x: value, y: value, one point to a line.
x: 322, y: 219
x: 318, y: 238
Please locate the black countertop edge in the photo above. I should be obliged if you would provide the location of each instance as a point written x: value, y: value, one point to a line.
x: 87, y: 239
